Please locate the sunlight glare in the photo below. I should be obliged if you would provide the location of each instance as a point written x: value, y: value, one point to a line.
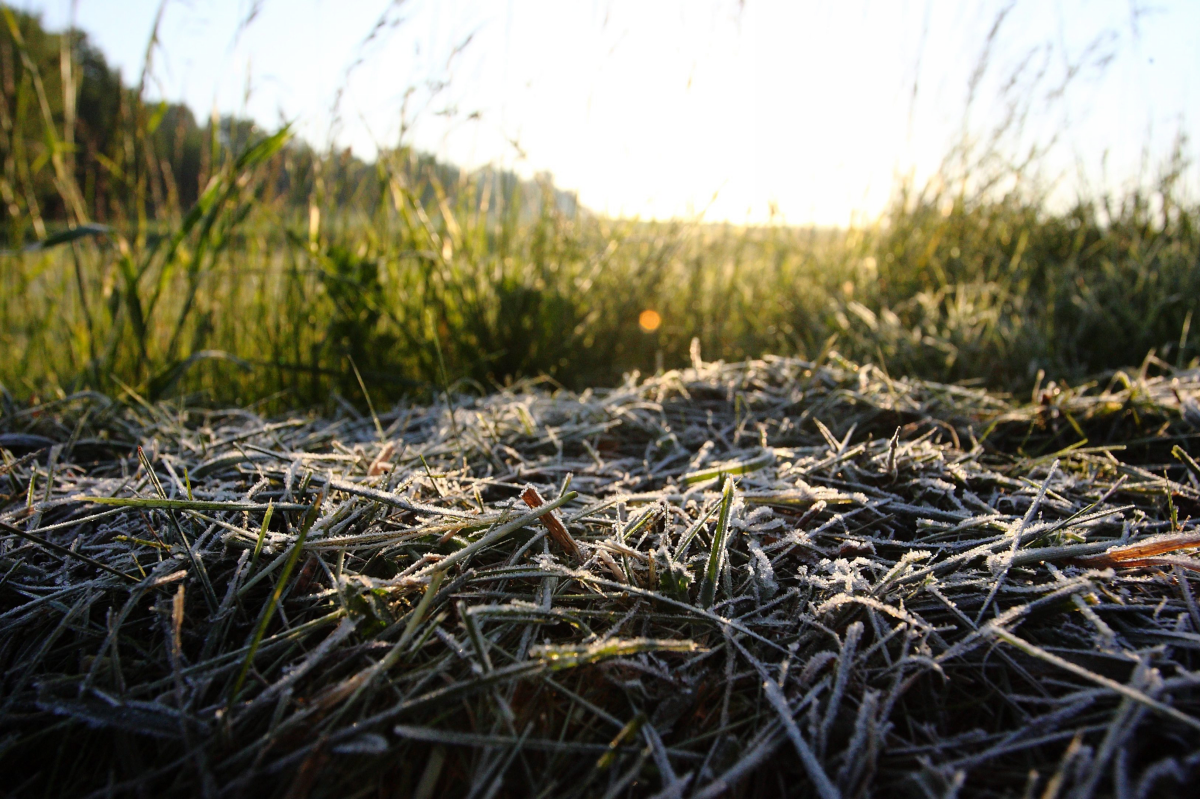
x: 649, y: 320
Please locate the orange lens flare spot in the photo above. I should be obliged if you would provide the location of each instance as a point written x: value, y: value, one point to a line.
x: 649, y: 320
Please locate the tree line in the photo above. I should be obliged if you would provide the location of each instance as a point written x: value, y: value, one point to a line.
x: 80, y: 143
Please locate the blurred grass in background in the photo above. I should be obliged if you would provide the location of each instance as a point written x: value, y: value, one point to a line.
x: 238, y: 266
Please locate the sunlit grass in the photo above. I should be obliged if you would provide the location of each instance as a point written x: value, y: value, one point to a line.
x: 291, y: 269
x: 996, y: 290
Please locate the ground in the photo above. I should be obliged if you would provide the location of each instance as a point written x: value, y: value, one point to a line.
x: 772, y: 577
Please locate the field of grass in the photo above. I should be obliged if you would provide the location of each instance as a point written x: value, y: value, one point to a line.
x: 245, y: 299
x: 239, y: 266
x: 325, y: 478
x: 149, y: 253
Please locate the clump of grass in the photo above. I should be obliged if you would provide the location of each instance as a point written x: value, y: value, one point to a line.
x: 793, y: 577
x: 996, y: 287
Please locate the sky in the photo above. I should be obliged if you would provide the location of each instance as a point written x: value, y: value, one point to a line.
x: 736, y: 110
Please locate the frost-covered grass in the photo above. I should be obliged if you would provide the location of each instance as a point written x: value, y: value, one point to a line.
x: 774, y: 576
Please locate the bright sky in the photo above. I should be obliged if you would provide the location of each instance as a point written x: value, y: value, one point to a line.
x: 655, y: 108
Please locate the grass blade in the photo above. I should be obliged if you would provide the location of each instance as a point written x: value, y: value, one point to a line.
x: 310, y: 519
x: 716, y: 554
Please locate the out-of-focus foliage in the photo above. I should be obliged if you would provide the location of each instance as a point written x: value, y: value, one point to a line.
x: 245, y: 265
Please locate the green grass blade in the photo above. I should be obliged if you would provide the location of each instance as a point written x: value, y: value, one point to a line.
x: 310, y: 519
x: 731, y: 469
x: 262, y: 534
x: 190, y: 504
x: 716, y: 555
x: 569, y: 657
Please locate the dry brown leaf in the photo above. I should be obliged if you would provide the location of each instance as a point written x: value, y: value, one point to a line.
x: 556, y: 528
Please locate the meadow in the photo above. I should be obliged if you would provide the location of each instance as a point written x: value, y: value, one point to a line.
x: 239, y: 265
x: 245, y: 298
x: 331, y: 478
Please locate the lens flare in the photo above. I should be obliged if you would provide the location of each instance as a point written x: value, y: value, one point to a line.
x: 649, y: 320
